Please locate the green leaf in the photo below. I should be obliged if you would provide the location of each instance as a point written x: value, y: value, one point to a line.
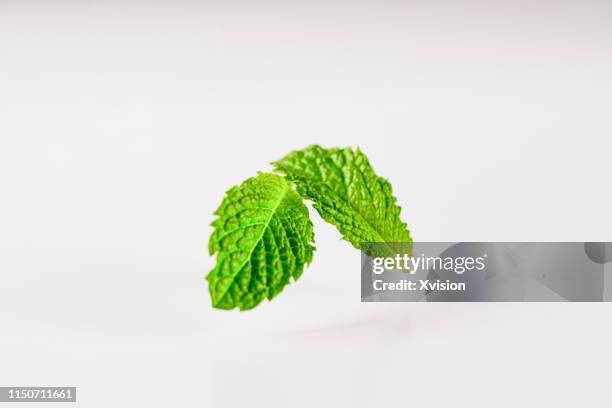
x: 347, y: 193
x: 262, y: 237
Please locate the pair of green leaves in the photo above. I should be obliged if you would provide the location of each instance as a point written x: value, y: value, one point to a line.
x: 263, y: 236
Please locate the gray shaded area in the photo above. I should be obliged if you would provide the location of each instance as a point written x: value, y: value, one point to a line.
x: 600, y: 252
x: 37, y: 394
x: 513, y: 271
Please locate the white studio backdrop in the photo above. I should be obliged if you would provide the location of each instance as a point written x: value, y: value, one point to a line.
x: 122, y: 124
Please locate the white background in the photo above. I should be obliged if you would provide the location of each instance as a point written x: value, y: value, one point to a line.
x: 122, y: 124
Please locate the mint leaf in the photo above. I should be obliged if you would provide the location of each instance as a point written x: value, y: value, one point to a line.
x: 347, y: 193
x: 263, y: 237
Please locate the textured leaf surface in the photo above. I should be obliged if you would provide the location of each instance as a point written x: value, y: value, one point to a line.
x: 262, y: 237
x: 347, y: 193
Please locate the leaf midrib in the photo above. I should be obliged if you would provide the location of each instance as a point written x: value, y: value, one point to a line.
x: 273, y: 210
x: 304, y: 176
